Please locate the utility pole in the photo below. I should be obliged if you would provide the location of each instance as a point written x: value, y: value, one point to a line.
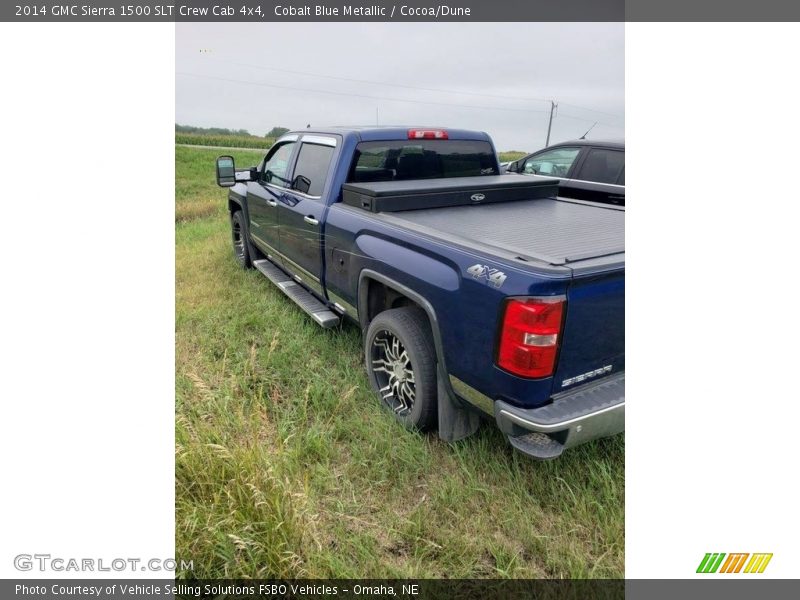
x: 553, y: 107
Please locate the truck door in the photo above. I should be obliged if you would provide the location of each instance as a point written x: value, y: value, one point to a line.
x: 301, y: 210
x: 263, y: 196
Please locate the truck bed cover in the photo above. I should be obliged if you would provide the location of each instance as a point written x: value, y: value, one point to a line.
x: 554, y: 231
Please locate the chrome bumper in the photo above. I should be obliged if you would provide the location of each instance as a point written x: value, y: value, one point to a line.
x: 592, y: 411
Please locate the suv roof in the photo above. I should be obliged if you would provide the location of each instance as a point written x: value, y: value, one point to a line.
x: 620, y: 144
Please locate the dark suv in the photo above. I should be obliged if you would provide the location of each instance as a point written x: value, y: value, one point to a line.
x: 588, y: 169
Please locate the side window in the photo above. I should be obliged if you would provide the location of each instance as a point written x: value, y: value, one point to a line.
x: 603, y: 166
x: 276, y: 165
x: 553, y: 163
x: 312, y: 163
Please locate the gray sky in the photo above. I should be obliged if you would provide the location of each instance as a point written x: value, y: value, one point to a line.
x: 481, y: 68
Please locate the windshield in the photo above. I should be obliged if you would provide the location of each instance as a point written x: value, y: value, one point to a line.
x: 422, y: 159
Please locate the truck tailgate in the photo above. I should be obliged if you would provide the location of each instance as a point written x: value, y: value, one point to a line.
x: 593, y: 340
x: 555, y: 231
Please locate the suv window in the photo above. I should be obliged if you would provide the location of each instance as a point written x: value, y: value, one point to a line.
x: 422, y: 159
x: 553, y: 163
x: 313, y: 162
x: 276, y: 165
x: 603, y: 166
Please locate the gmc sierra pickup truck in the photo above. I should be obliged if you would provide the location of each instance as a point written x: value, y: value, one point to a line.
x: 478, y: 294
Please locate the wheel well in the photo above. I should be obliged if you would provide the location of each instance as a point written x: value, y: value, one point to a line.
x: 233, y: 206
x: 381, y: 297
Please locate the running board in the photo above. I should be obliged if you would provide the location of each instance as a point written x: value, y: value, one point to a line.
x: 323, y: 316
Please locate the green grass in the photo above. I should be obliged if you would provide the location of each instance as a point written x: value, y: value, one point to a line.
x: 286, y: 465
x: 196, y: 191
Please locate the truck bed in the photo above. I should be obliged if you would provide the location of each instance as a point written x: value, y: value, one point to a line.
x: 552, y: 231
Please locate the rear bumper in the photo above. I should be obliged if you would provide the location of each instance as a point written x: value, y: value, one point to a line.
x: 592, y: 411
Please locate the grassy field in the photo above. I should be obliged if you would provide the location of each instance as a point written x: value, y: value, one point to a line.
x: 287, y: 466
x: 511, y: 155
x: 229, y: 141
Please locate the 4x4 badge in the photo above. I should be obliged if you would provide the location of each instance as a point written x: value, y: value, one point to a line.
x: 493, y: 277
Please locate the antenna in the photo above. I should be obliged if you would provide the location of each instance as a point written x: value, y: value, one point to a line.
x: 583, y: 137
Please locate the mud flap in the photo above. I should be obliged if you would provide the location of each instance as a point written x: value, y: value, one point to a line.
x: 455, y: 421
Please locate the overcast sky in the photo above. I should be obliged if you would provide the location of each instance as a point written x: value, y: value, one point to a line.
x: 496, y: 77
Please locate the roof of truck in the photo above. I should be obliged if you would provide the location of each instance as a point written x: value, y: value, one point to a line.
x: 392, y: 132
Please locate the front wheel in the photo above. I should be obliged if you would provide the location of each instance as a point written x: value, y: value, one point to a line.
x: 401, y: 365
x: 241, y: 249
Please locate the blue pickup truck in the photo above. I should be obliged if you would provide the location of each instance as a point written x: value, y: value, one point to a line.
x: 478, y: 294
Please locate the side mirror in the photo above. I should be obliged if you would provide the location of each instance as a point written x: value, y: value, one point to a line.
x: 302, y: 184
x: 512, y: 167
x: 226, y: 171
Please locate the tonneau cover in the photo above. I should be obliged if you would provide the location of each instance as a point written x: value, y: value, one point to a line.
x: 556, y: 231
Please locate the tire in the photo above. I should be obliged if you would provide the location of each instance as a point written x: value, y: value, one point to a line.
x: 401, y: 365
x: 241, y: 243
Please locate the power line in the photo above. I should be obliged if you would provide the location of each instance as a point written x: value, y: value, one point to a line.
x: 351, y: 94
x: 599, y: 112
x: 298, y: 89
x: 411, y: 87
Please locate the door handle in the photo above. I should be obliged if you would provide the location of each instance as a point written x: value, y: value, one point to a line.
x: 310, y: 220
x: 272, y: 203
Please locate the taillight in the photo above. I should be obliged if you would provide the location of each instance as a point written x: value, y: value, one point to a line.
x: 427, y: 134
x: 529, y: 336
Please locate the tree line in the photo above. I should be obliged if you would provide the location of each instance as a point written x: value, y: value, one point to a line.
x: 272, y: 133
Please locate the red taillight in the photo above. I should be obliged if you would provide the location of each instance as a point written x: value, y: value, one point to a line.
x: 529, y: 337
x: 427, y: 134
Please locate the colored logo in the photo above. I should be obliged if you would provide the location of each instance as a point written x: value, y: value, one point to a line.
x: 717, y: 562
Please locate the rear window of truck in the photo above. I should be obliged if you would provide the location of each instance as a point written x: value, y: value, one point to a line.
x: 421, y: 159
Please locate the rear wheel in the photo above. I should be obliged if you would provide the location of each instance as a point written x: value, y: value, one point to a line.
x: 401, y: 364
x: 241, y: 247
